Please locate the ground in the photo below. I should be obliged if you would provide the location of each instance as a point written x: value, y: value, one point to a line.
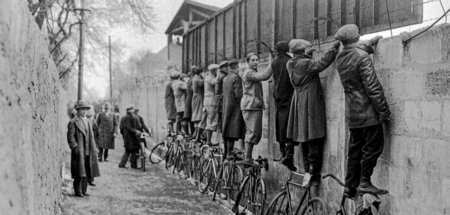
x: 129, y: 191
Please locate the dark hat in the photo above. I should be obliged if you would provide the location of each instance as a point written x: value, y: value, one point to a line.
x: 282, y: 46
x: 224, y: 63
x: 299, y: 45
x: 233, y: 62
x: 81, y: 104
x: 347, y: 33
x: 129, y: 107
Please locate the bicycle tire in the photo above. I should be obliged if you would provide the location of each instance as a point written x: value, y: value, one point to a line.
x: 194, y: 165
x: 143, y: 161
x: 259, y: 195
x: 205, y: 174
x: 316, y: 206
x: 157, y: 154
x: 220, y: 183
x: 236, y: 177
x: 169, y: 159
x: 280, y: 205
x: 183, y: 164
x: 242, y: 196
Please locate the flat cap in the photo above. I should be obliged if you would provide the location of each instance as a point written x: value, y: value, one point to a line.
x: 213, y: 66
x: 81, y: 104
x: 282, y: 46
x: 347, y: 33
x: 129, y: 107
x: 299, y: 45
x: 224, y: 63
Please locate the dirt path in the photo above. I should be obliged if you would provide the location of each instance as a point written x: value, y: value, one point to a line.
x: 128, y: 191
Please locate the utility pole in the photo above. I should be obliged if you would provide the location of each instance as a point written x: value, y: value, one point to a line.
x: 81, y: 54
x: 110, y: 73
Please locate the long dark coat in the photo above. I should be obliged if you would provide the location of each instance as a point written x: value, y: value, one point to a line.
x: 107, y: 125
x: 188, y: 104
x: 129, y: 126
x: 197, y: 99
x: 78, y: 137
x: 169, y: 102
x: 307, y: 119
x: 233, y: 125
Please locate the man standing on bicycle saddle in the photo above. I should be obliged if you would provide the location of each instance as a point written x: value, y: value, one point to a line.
x: 129, y: 127
x: 179, y: 88
x: 169, y: 102
x: 210, y: 107
x: 233, y: 122
x: 367, y: 109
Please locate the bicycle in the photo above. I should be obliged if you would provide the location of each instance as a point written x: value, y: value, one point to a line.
x: 229, y: 178
x: 174, y: 150
x: 160, y: 151
x: 282, y: 203
x: 359, y: 210
x: 142, y: 148
x: 208, y: 169
x: 252, y: 191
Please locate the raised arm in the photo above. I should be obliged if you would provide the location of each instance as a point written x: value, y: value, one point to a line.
x: 317, y: 66
x: 252, y: 75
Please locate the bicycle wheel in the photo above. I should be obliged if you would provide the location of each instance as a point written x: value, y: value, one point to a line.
x: 259, y: 198
x: 242, y: 197
x: 169, y: 158
x: 219, y: 186
x: 158, y: 153
x: 194, y: 166
x: 280, y: 205
x: 235, y: 179
x: 205, y: 176
x: 183, y: 164
x: 142, y: 161
x: 315, y: 206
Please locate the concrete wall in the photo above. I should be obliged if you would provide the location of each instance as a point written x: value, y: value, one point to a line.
x: 415, y: 163
x: 30, y: 118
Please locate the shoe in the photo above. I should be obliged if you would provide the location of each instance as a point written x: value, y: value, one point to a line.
x: 79, y: 195
x: 85, y: 194
x: 247, y: 163
x: 289, y: 163
x: 100, y: 160
x: 306, y: 179
x: 106, y: 160
x: 124, y: 167
x: 368, y: 187
x: 91, y: 184
x: 350, y: 192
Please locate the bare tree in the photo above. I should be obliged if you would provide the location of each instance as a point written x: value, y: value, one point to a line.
x: 61, y: 21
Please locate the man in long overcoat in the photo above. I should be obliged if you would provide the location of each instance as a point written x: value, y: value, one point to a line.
x: 218, y: 91
x: 233, y: 127
x: 367, y: 110
x: 129, y: 126
x: 197, y: 101
x: 108, y: 128
x: 188, y: 103
x: 80, y: 136
x: 169, y: 102
x: 179, y: 88
x: 307, y: 121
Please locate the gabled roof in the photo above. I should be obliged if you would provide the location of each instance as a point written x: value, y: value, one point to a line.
x: 190, y: 9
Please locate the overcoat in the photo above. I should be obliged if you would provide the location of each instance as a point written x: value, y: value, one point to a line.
x: 188, y: 104
x: 307, y: 119
x: 179, y: 90
x: 169, y: 102
x: 107, y: 125
x: 81, y: 138
x: 197, y: 98
x: 129, y: 126
x: 233, y: 125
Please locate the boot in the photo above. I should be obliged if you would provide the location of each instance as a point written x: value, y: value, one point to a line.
x: 248, y: 162
x: 186, y: 129
x: 282, y: 152
x: 208, y: 137
x: 170, y: 128
x: 191, y: 128
x: 288, y: 161
x: 366, y: 186
x: 230, y: 146
x: 198, y: 135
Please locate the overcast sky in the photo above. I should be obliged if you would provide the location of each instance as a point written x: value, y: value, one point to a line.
x: 166, y: 9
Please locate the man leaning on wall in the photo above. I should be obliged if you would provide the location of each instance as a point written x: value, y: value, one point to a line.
x: 367, y: 110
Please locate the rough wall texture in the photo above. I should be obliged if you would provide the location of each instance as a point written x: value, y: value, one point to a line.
x: 30, y: 116
x: 415, y: 162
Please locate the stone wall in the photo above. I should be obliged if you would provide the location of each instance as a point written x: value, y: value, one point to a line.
x: 31, y: 116
x: 415, y: 162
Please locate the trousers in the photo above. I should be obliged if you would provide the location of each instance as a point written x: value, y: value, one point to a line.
x: 80, y: 183
x: 133, y: 160
x: 312, y: 152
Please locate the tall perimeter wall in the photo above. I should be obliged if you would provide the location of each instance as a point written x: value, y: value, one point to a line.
x: 415, y: 163
x: 31, y: 116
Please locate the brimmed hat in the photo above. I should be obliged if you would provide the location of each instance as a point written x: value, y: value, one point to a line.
x: 224, y: 63
x: 213, y: 66
x: 299, y: 45
x: 347, y: 33
x: 81, y: 104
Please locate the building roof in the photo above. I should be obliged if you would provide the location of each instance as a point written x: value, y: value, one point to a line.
x: 190, y: 14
